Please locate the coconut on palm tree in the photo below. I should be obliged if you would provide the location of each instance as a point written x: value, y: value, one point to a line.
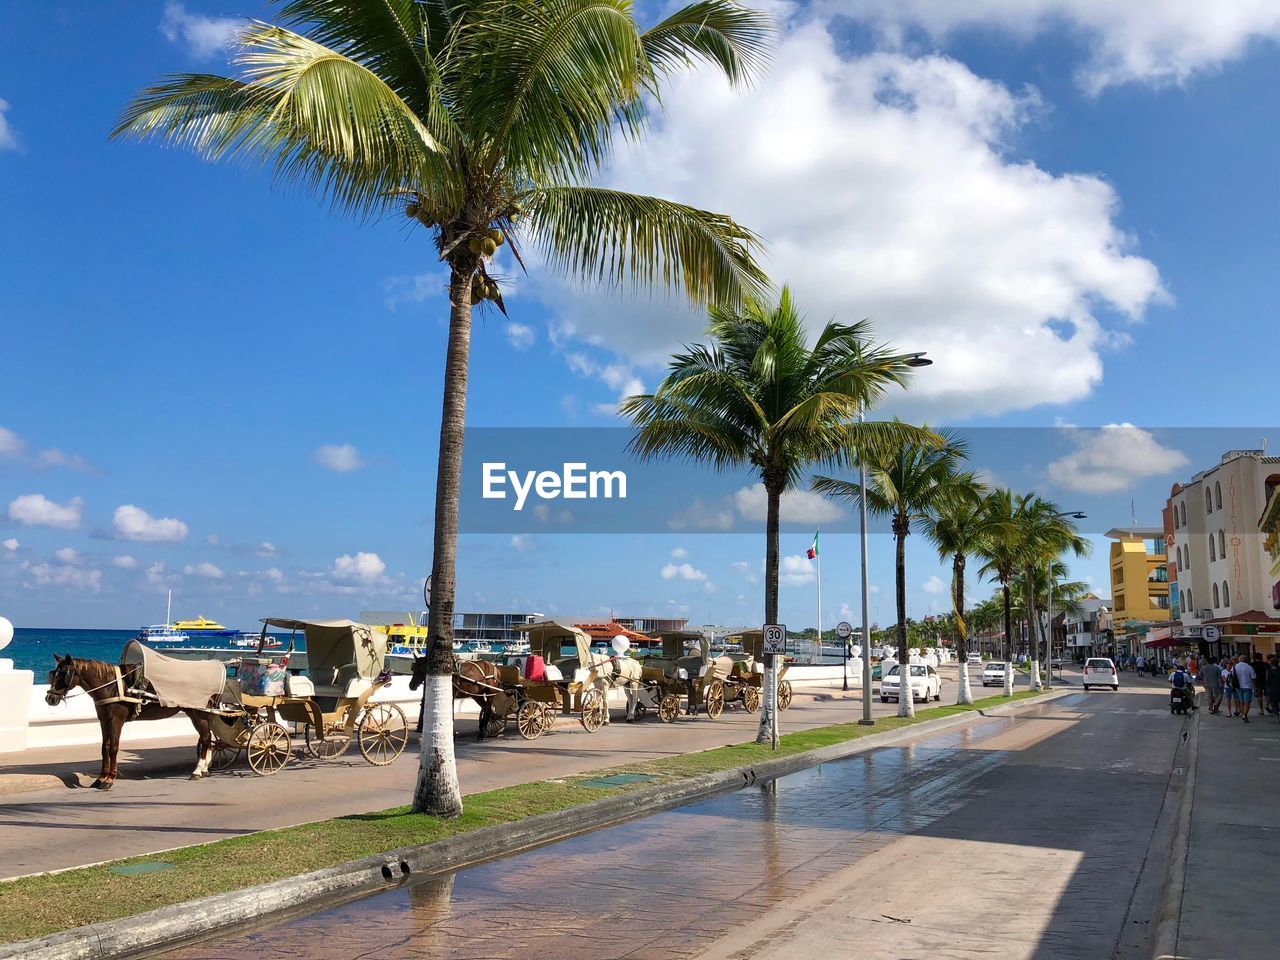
x: 760, y: 396
x: 907, y: 480
x: 481, y: 122
x: 956, y: 527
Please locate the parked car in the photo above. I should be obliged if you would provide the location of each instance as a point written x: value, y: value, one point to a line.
x: 925, y: 683
x: 993, y: 673
x: 1101, y: 672
x: 974, y: 658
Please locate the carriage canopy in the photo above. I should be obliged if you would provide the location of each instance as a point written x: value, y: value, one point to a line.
x: 334, y: 644
x: 193, y: 684
x: 546, y: 637
x: 675, y: 641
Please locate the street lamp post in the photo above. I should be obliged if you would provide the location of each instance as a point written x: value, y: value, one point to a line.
x: 911, y: 360
x: 1048, y: 646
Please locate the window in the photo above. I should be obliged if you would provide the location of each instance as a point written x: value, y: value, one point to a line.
x: 1217, y: 493
x: 1183, y: 506
x: 1186, y: 556
x: 1216, y: 598
x: 1176, y: 522
x: 1222, y: 544
x: 1191, y: 605
x: 1226, y: 594
x: 1213, y: 550
x: 1178, y: 556
x: 1208, y: 500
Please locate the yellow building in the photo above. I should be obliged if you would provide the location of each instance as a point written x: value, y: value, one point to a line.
x: 1139, y: 576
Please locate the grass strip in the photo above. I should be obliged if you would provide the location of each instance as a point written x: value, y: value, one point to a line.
x: 35, y: 906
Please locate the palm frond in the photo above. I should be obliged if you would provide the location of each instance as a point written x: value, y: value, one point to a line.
x: 619, y: 238
x: 729, y: 35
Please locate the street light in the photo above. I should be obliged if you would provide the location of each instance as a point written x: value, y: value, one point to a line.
x: 910, y: 360
x: 1048, y: 646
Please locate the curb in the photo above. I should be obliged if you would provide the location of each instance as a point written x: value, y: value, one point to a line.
x: 1169, y: 920
x: 172, y: 925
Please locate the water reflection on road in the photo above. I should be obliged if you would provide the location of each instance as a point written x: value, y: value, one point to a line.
x: 659, y: 888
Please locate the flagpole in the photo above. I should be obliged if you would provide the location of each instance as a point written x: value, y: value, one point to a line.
x: 818, y: 557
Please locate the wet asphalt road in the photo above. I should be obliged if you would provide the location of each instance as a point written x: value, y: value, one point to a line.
x: 1015, y: 837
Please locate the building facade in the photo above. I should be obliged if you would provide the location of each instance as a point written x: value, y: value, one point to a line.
x: 1087, y: 629
x: 1219, y: 556
x: 1139, y: 584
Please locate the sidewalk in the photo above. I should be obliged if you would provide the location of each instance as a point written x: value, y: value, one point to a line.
x: 1231, y: 888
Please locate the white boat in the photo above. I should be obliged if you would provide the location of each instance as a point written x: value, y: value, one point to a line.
x: 163, y: 633
x: 251, y: 641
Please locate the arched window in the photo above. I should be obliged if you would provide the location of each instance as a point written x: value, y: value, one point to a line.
x: 1191, y: 604
x: 1186, y: 556
x: 1184, y: 513
x: 1177, y: 524
x: 1208, y: 500
x: 1213, y: 552
x: 1217, y: 493
x: 1216, y: 597
x: 1226, y: 594
x: 1222, y: 544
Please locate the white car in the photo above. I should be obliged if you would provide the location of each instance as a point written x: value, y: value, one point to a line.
x: 974, y: 658
x: 925, y: 683
x: 993, y: 673
x: 1101, y: 672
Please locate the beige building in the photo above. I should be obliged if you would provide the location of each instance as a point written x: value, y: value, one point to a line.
x: 1222, y: 567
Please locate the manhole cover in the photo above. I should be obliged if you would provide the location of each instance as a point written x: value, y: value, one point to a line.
x: 138, y: 869
x: 618, y: 780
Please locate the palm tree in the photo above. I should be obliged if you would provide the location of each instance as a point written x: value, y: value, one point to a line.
x: 482, y: 121
x: 759, y: 395
x: 907, y: 480
x: 999, y: 548
x: 1042, y: 533
x: 956, y: 527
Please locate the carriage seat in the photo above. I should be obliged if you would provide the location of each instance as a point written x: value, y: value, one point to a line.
x: 346, y: 682
x: 296, y: 685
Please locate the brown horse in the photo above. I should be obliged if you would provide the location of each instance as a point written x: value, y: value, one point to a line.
x: 472, y: 679
x: 98, y: 680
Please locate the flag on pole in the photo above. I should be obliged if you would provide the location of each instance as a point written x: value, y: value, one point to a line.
x: 813, y: 549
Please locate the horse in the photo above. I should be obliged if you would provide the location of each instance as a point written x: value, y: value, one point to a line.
x: 104, y: 683
x: 476, y: 680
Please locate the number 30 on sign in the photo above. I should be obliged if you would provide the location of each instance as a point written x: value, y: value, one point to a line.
x: 775, y: 639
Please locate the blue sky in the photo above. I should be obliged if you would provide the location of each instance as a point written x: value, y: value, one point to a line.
x: 212, y: 385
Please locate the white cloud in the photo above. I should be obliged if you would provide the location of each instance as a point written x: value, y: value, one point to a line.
x: 520, y: 335
x: 37, y: 510
x: 75, y: 578
x: 339, y: 457
x: 926, y: 222
x: 618, y: 377
x: 124, y: 562
x: 934, y: 584
x: 682, y: 571
x: 206, y: 570
x: 679, y: 553
x: 67, y: 555
x: 433, y: 285
x: 204, y: 36
x: 10, y: 545
x: 796, y: 570
x: 158, y: 576
x: 521, y: 542
x: 14, y: 447
x: 797, y: 506
x: 1113, y: 458
x: 11, y: 445
x: 362, y: 568
x: 134, y: 523
x: 8, y: 139
x: 750, y: 572
x: 1153, y: 41
x: 700, y: 515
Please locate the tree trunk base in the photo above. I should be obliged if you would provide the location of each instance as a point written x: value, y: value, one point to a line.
x: 964, y: 695
x: 437, y: 792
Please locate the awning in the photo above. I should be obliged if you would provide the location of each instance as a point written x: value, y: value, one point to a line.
x: 1163, y: 638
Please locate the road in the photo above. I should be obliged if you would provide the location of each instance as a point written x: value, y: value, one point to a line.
x: 161, y: 809
x: 1020, y: 837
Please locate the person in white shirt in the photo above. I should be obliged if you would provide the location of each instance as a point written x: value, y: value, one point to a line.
x: 1244, y: 686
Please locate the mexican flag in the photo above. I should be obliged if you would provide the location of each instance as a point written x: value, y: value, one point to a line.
x: 813, y: 548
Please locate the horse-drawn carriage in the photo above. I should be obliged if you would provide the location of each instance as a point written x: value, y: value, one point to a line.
x: 264, y: 706
x: 753, y: 649
x: 549, y: 681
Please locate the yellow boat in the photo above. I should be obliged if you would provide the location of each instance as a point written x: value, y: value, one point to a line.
x: 201, y: 624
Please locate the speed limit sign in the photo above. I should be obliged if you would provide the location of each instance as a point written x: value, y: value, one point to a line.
x: 775, y: 638
x: 844, y: 630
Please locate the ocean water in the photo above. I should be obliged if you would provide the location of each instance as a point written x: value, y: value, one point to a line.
x: 33, y: 649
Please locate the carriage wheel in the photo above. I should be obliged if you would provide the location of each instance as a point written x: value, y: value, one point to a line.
x: 332, y: 746
x: 594, y: 710
x: 496, y: 726
x: 224, y: 755
x: 669, y: 708
x: 784, y: 694
x: 750, y: 699
x: 548, y: 716
x: 713, y: 699
x: 642, y: 711
x: 383, y: 733
x: 268, y: 748
x: 530, y: 720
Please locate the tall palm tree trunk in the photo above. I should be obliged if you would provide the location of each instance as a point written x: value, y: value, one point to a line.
x: 437, y: 791
x: 906, y: 699
x: 773, y: 485
x: 965, y: 693
x: 1033, y: 630
x: 1008, y: 638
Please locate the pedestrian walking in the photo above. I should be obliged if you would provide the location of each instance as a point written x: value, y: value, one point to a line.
x: 1273, y: 684
x: 1245, y: 677
x: 1229, y: 685
x: 1141, y: 663
x: 1211, y: 680
x: 1260, y: 671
